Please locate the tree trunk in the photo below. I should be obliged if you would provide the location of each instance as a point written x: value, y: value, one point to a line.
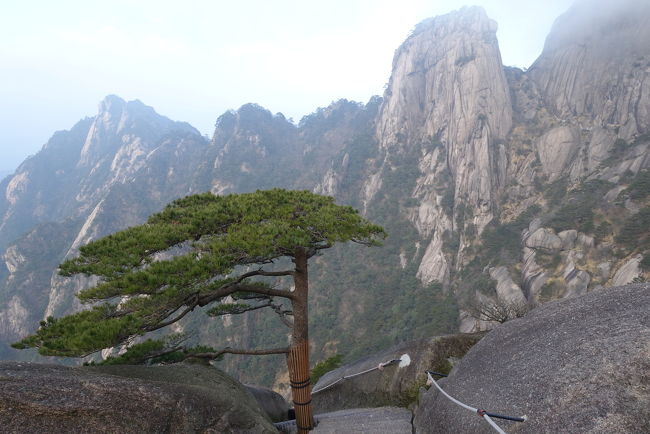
x: 298, y: 357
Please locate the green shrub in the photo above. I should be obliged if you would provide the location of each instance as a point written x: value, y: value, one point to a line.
x: 578, y: 213
x: 450, y: 242
x: 322, y: 368
x: 602, y: 230
x: 639, y: 188
x: 548, y: 260
x: 635, y: 230
x: 620, y: 145
x: 641, y: 138
x: 447, y: 201
x: 645, y: 262
x: 502, y: 241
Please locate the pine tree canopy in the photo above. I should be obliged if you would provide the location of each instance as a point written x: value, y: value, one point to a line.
x: 197, y: 251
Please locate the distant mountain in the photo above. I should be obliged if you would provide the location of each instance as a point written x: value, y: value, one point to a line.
x: 495, y: 184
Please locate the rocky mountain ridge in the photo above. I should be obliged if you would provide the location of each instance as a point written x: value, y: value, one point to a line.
x: 495, y: 184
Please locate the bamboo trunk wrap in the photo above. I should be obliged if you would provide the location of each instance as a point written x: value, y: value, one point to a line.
x: 298, y: 363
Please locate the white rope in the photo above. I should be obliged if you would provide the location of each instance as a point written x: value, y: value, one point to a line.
x: 345, y: 377
x: 313, y: 392
x: 494, y: 425
x: 454, y: 400
x: 364, y: 372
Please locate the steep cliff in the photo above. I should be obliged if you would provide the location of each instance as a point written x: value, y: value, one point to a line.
x: 447, y: 105
x: 595, y: 63
x: 108, y: 172
x: 77, y: 168
x: 521, y: 184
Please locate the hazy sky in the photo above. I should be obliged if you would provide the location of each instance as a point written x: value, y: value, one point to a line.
x: 195, y: 59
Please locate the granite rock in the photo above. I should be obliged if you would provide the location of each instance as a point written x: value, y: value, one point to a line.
x: 38, y: 398
x: 576, y: 365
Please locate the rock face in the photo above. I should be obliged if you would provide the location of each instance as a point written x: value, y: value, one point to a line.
x: 130, y: 399
x: 577, y: 365
x: 273, y: 404
x: 588, y: 67
x: 70, y: 193
x: 627, y: 272
x: 394, y: 385
x: 448, y: 101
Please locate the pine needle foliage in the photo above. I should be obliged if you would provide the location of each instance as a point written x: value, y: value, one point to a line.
x: 201, y: 250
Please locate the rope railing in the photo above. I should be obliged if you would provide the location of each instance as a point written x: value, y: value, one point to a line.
x: 483, y: 413
x: 405, y: 360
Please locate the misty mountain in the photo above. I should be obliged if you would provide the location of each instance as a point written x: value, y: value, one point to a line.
x: 494, y: 183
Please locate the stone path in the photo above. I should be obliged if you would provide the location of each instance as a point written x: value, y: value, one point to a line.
x: 380, y: 420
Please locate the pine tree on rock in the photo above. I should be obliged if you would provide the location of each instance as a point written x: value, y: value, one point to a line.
x: 205, y: 250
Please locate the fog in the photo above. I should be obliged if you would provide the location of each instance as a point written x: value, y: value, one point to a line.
x: 597, y: 16
x: 195, y: 60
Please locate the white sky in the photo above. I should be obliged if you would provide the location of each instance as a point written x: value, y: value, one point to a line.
x: 195, y: 59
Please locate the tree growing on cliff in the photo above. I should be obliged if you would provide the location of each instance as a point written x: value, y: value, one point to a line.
x: 206, y: 251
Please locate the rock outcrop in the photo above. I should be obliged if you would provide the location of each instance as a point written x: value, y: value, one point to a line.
x: 273, y: 404
x: 628, y: 271
x: 593, y: 73
x: 393, y: 385
x: 128, y: 399
x: 587, y: 67
x: 447, y: 102
x: 576, y: 365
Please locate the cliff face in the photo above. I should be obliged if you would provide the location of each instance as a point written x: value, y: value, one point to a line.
x: 77, y: 168
x: 516, y: 176
x: 448, y: 101
x: 593, y: 75
x: 595, y: 64
x: 109, y: 172
x: 496, y: 185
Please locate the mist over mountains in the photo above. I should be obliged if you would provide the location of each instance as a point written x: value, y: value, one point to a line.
x: 494, y: 184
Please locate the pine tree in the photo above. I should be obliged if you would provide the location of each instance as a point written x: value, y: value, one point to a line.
x: 212, y: 251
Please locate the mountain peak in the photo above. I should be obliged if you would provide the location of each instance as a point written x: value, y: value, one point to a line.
x: 614, y: 28
x: 451, y: 56
x: 468, y: 19
x: 111, y: 104
x: 595, y: 63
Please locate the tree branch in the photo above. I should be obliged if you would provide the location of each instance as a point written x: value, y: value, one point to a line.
x: 241, y: 309
x: 161, y: 353
x: 277, y: 308
x: 197, y: 300
x: 190, y: 307
x: 212, y: 356
x: 260, y: 272
x: 266, y: 291
x: 236, y: 286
